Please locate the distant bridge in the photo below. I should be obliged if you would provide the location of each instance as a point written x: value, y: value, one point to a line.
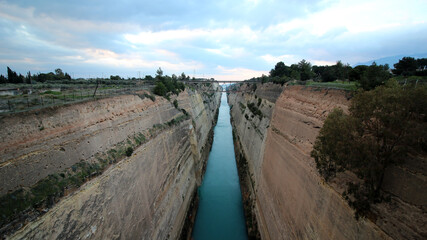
x: 223, y: 90
x: 220, y: 82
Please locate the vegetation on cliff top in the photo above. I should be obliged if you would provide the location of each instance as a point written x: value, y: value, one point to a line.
x: 344, y: 76
x: 382, y: 127
x: 166, y: 84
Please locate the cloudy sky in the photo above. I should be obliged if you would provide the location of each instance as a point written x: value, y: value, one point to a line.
x: 234, y: 39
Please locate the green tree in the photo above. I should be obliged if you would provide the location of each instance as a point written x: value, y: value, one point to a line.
x: 183, y: 77
x: 406, y: 66
x: 174, y: 77
x: 117, y: 77
x: 159, y: 73
x: 59, y: 73
x: 422, y: 64
x: 341, y: 70
x: 295, y: 74
x: 304, y: 68
x: 374, y: 76
x: 357, y: 72
x: 12, y: 77
x: 380, y: 128
x: 28, y: 78
x: 3, y: 79
x: 160, y: 89
x: 280, y: 70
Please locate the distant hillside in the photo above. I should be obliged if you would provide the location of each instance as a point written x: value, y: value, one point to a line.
x: 391, y: 60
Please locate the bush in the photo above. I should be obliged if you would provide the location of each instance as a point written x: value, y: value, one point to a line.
x: 160, y: 89
x: 254, y: 109
x: 129, y: 151
x: 153, y: 98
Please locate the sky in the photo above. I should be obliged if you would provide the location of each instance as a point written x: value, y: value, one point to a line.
x: 225, y: 40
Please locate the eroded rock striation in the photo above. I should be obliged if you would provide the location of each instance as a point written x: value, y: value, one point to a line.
x: 284, y: 195
x: 144, y: 195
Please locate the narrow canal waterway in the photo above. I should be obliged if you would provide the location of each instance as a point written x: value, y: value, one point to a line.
x: 220, y: 213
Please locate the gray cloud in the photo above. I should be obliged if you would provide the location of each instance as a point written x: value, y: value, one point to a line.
x: 211, y: 37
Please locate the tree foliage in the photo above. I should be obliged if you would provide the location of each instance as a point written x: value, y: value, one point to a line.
x: 339, y: 71
x: 300, y: 71
x: 374, y: 76
x: 406, y: 66
x: 380, y: 129
x: 13, y: 77
x: 160, y: 89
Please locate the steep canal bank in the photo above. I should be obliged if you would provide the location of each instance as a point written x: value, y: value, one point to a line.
x: 220, y: 212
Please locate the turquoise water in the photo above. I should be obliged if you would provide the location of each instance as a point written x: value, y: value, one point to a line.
x: 220, y: 213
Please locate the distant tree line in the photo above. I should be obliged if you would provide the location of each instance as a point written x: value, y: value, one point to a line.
x: 409, y: 66
x: 13, y: 77
x: 368, y: 77
x: 58, y: 76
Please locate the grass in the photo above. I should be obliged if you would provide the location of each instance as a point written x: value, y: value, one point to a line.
x: 351, y: 86
x: 50, y: 92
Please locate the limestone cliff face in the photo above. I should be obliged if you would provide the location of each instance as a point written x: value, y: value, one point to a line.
x: 144, y: 196
x: 289, y: 198
x: 39, y: 143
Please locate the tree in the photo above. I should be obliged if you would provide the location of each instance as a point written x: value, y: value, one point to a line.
x: 380, y: 128
x: 422, y: 64
x: 280, y: 70
x: 182, y: 77
x: 304, y: 68
x: 21, y: 78
x: 160, y: 89
x: 159, y: 73
x: 374, y: 76
x: 357, y: 72
x: 28, y: 78
x: 13, y: 77
x: 341, y: 70
x: 406, y: 66
x: 59, y: 73
x: 117, y: 77
x: 3, y: 79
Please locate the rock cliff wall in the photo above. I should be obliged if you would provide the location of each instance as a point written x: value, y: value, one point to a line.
x: 144, y: 195
x: 286, y: 195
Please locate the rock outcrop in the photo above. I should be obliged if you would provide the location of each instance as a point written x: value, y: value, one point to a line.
x: 145, y: 195
x: 287, y: 197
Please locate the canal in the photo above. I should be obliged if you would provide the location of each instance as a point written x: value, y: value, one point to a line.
x: 220, y: 213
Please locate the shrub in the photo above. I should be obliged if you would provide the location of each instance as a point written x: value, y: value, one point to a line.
x: 153, y: 98
x: 254, y: 109
x: 129, y: 151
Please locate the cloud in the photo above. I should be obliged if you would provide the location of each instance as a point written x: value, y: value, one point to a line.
x: 245, y: 37
x: 224, y: 73
x: 134, y: 61
x: 287, y: 59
